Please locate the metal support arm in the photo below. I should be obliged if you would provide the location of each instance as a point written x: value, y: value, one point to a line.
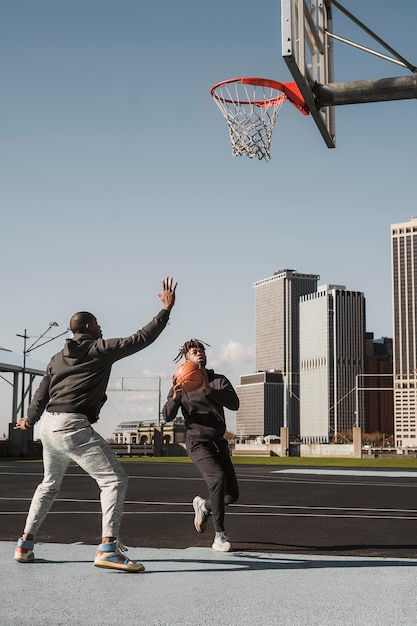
x: 363, y: 91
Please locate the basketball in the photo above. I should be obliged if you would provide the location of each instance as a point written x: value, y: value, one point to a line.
x: 188, y: 375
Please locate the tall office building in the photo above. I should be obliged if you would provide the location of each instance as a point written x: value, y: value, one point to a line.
x: 404, y: 302
x: 379, y: 403
x: 332, y: 354
x: 277, y: 350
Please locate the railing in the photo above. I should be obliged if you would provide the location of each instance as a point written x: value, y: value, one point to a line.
x: 132, y: 449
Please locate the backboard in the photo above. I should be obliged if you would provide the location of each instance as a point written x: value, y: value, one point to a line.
x: 308, y: 53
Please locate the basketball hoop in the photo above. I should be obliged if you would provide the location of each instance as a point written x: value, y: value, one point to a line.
x: 250, y: 107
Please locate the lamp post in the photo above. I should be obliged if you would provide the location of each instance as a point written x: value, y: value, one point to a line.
x: 357, y: 389
x: 122, y: 387
x: 26, y: 351
x: 159, y: 401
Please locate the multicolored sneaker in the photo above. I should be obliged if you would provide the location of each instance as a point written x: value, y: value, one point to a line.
x: 110, y: 556
x: 24, y: 551
x: 221, y: 543
x: 200, y: 517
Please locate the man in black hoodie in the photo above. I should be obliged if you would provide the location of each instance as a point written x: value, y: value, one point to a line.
x: 70, y: 397
x: 205, y: 426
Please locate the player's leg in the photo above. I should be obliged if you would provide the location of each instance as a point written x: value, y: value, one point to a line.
x: 232, y: 485
x: 96, y: 457
x: 204, y: 456
x: 55, y: 463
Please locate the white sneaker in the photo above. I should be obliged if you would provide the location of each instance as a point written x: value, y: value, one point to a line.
x: 221, y: 543
x: 200, y: 517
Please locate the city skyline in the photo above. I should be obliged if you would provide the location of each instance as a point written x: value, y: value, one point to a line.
x: 310, y: 348
x: 132, y: 400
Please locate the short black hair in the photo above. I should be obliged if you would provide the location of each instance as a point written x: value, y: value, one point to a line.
x: 80, y: 320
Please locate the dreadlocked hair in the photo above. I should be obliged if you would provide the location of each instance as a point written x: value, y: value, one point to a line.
x: 192, y: 343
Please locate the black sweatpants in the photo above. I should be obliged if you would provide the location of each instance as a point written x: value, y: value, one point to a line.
x: 212, y: 459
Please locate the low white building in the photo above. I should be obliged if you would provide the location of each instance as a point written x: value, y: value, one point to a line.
x: 141, y: 432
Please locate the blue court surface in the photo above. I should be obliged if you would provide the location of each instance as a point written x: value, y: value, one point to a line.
x: 196, y: 586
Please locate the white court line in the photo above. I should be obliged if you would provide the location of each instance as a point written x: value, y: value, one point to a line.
x: 321, y: 515
x: 83, y: 474
x: 347, y: 472
x: 230, y: 507
x: 284, y: 473
x: 310, y: 470
x: 284, y: 510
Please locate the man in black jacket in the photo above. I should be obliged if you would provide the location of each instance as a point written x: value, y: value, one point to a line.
x: 70, y: 397
x: 206, y: 445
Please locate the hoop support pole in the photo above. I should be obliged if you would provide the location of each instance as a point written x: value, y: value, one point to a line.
x: 363, y: 91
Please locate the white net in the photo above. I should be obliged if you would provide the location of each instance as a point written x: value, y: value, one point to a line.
x: 250, y: 111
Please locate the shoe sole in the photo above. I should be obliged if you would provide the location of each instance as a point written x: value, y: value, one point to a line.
x: 217, y: 549
x: 121, y: 568
x: 222, y: 546
x: 24, y: 556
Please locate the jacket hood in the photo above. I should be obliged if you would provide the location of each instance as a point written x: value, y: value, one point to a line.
x: 76, y: 348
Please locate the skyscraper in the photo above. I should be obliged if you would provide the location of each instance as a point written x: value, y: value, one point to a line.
x: 379, y: 402
x: 332, y: 354
x: 277, y: 350
x: 404, y: 302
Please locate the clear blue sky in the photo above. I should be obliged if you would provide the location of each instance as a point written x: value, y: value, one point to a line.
x: 116, y: 169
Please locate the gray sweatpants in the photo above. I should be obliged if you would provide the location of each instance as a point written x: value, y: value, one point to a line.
x: 67, y: 436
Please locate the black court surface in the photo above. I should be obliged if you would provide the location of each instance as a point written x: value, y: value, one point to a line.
x: 281, y: 509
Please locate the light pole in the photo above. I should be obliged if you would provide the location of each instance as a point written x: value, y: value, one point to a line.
x: 357, y: 389
x: 159, y: 401
x: 122, y: 387
x: 22, y: 400
x: 26, y: 351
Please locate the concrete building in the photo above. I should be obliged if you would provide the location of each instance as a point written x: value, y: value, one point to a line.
x: 261, y: 405
x: 276, y: 352
x: 141, y: 432
x: 146, y: 437
x: 404, y: 302
x: 332, y: 354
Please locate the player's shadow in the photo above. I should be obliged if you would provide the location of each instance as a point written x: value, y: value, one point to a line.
x: 244, y: 562
x: 38, y: 561
x: 379, y: 550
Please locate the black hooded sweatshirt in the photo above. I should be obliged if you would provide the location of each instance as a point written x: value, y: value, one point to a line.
x: 76, y: 378
x: 203, y: 414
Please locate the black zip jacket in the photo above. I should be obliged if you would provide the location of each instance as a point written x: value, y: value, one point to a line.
x: 204, y: 414
x: 76, y: 378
